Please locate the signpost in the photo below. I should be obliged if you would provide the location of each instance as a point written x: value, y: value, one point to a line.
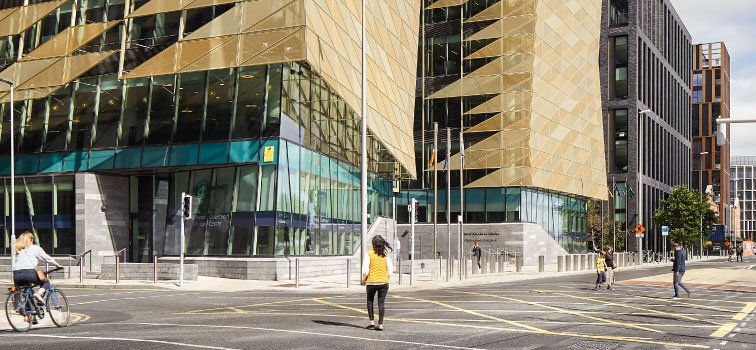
x: 665, y: 233
x: 186, y: 214
x: 639, y: 234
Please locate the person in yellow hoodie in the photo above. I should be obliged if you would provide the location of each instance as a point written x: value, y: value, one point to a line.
x: 375, y: 274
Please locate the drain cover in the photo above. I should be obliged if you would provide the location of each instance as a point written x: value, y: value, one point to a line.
x: 594, y: 345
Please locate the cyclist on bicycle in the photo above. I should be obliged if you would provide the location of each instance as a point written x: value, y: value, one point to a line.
x: 25, y: 270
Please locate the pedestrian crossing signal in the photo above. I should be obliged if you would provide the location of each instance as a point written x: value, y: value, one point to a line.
x: 186, y: 208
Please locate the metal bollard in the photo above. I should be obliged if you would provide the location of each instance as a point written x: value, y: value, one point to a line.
x: 575, y: 263
x: 81, y: 270
x: 518, y: 263
x: 400, y: 271
x: 69, y: 267
x: 567, y: 263
x: 296, y: 270
x: 560, y: 263
x: 501, y: 263
x: 349, y: 272
x: 154, y: 269
x: 117, y: 262
x: 492, y: 263
x: 540, y: 263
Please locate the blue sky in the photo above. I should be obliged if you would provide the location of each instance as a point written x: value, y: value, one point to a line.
x: 734, y: 22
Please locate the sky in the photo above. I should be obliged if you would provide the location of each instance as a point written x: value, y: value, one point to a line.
x: 734, y: 22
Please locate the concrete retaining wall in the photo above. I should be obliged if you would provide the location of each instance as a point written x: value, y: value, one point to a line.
x: 135, y: 271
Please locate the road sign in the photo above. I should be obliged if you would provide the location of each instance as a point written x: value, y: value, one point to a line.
x: 639, y: 235
x: 665, y: 230
x: 727, y: 243
x: 640, y: 229
x: 708, y: 242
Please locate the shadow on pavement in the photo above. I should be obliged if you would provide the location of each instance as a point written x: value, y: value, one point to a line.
x: 332, y: 323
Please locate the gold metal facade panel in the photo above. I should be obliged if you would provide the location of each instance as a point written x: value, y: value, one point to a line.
x: 71, y: 66
x: 20, y: 19
x: 207, y: 3
x: 190, y: 51
x: 445, y: 3
x: 69, y: 40
x: 289, y: 49
x: 158, y: 6
x: 221, y: 56
x: 223, y: 25
x: 21, y: 72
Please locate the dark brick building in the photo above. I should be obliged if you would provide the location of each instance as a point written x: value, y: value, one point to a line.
x: 646, y: 57
x: 711, y: 101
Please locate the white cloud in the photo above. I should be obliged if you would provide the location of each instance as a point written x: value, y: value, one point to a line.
x: 731, y: 21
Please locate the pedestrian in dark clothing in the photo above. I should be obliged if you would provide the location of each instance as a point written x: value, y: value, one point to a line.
x: 477, y: 253
x: 678, y: 269
x: 739, y: 252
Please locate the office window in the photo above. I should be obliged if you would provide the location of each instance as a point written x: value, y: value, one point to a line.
x: 697, y: 79
x: 620, y: 140
x: 697, y: 96
x: 618, y: 12
x: 620, y: 67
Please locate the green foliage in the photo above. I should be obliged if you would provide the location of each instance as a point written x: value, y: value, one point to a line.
x: 682, y: 211
x: 603, y: 231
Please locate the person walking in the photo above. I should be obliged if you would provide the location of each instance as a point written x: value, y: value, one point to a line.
x: 678, y: 268
x: 739, y: 252
x: 397, y: 245
x: 730, y: 252
x: 375, y: 275
x: 600, y: 270
x: 610, y: 266
x: 476, y: 252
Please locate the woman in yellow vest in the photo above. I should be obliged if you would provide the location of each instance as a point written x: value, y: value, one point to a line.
x: 375, y: 274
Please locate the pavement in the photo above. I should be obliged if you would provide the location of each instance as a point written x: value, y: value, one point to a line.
x: 536, y: 311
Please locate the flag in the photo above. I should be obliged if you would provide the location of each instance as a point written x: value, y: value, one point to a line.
x: 616, y: 189
x: 611, y: 195
x: 630, y: 192
x: 432, y: 158
x: 444, y: 168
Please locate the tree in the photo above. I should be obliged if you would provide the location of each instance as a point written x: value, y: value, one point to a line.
x: 599, y: 228
x: 682, y: 211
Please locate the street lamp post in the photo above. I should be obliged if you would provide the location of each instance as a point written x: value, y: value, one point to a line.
x: 700, y: 196
x: 640, y: 182
x: 363, y: 148
x: 12, y: 180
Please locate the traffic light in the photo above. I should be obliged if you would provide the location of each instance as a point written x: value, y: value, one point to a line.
x: 186, y: 206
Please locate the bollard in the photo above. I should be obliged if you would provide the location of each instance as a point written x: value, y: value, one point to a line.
x: 492, y: 263
x: 484, y: 265
x: 400, y: 271
x: 575, y: 263
x: 474, y: 266
x: 81, y: 271
x: 584, y: 261
x: 296, y: 270
x: 560, y: 264
x: 540, y: 263
x: 567, y: 263
x: 117, y: 261
x: 69, y: 267
x: 465, y: 271
x: 154, y: 269
x: 349, y: 272
x: 518, y: 263
x: 501, y: 263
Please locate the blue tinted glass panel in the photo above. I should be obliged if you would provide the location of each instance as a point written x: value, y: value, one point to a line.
x: 27, y: 164
x: 155, y: 156
x: 244, y: 151
x: 101, y: 160
x: 76, y: 161
x: 184, y: 154
x: 51, y: 162
x: 214, y: 153
x: 128, y: 158
x: 5, y: 165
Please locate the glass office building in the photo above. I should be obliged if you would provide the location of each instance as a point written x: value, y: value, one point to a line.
x: 268, y: 147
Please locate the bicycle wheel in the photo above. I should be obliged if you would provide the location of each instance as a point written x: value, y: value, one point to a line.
x: 15, y: 313
x: 57, y: 307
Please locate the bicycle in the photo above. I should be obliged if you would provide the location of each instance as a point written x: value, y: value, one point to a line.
x: 23, y: 311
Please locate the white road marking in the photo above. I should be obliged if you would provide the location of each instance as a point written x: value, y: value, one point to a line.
x: 296, y: 332
x: 724, y: 342
x: 737, y: 329
x: 117, y: 339
x: 731, y: 335
x: 130, y: 298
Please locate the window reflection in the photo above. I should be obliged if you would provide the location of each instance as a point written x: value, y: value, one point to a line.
x: 85, y: 100
x: 220, y: 104
x: 250, y: 103
x: 134, y: 115
x: 57, y: 125
x: 162, y: 110
x: 191, y: 100
x: 32, y: 130
x: 109, y: 111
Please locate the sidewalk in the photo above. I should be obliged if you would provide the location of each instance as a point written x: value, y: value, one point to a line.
x: 724, y: 277
x: 330, y: 284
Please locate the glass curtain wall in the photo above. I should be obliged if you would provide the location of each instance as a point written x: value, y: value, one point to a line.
x: 44, y: 206
x: 563, y: 217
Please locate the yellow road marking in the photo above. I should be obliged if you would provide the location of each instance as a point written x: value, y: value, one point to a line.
x: 201, y: 311
x: 79, y: 317
x: 728, y: 327
x: 625, y: 305
x: 570, y: 312
x: 536, y: 330
x: 724, y: 330
x: 689, y: 304
x: 745, y: 311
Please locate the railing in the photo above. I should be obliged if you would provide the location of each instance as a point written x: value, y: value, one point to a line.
x: 82, y: 258
x: 117, y: 257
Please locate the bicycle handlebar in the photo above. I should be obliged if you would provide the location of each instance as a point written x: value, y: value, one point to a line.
x: 53, y: 270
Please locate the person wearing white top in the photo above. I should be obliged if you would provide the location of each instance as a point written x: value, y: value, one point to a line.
x: 25, y: 269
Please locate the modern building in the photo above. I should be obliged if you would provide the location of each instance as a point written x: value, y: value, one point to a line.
x: 711, y: 101
x: 519, y: 79
x: 253, y: 107
x: 743, y: 189
x: 646, y: 60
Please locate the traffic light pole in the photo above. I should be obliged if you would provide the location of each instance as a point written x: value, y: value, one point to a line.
x: 413, y: 203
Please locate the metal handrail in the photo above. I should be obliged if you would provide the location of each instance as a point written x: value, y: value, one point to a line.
x: 117, y: 256
x: 81, y: 258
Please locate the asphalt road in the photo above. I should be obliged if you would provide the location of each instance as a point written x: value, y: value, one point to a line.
x: 557, y: 313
